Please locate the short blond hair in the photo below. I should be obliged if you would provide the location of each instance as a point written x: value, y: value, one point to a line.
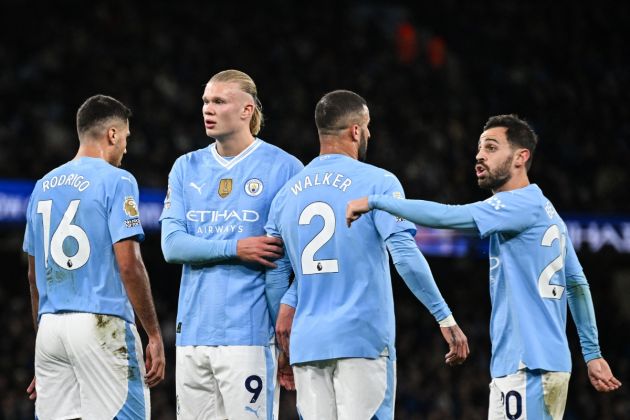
x: 247, y: 85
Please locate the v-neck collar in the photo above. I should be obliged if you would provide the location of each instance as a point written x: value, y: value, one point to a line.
x: 230, y: 163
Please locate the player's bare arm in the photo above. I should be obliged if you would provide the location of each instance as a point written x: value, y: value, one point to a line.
x: 283, y: 327
x: 136, y: 280
x: 458, y: 350
x: 259, y: 250
x: 601, y: 376
x: 285, y: 372
x: 355, y: 209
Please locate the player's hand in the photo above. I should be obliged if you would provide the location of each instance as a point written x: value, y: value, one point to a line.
x: 355, y: 209
x: 259, y: 250
x: 458, y: 349
x: 285, y: 372
x: 283, y: 327
x: 601, y: 376
x: 31, y: 391
x: 155, y: 362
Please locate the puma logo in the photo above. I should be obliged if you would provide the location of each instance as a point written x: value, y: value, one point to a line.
x: 197, y: 187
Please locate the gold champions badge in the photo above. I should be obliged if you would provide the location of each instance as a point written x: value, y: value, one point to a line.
x: 225, y: 187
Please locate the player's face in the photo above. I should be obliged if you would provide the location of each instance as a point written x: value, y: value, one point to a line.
x: 495, y: 159
x: 364, y: 137
x: 226, y: 109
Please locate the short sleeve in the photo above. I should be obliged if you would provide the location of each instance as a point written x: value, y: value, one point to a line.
x: 174, y: 207
x: 506, y: 212
x: 124, y: 218
x: 385, y: 223
x: 27, y: 245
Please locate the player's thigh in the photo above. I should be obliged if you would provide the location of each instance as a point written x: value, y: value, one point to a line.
x: 57, y: 388
x: 365, y: 388
x: 246, y: 376
x: 315, y: 393
x: 107, y: 357
x: 534, y: 394
x: 555, y: 388
x: 197, y: 391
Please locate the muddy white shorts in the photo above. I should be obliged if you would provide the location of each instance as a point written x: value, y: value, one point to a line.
x: 529, y: 394
x: 89, y: 366
x: 346, y: 389
x: 226, y: 382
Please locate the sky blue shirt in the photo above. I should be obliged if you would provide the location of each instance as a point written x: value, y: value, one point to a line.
x: 531, y: 257
x: 210, y: 198
x: 534, y: 271
x: 344, y: 294
x: 75, y: 214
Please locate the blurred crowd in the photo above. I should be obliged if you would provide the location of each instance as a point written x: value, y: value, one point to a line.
x: 432, y: 75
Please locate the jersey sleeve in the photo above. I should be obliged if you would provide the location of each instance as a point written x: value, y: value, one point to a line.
x: 572, y: 266
x: 385, y: 223
x: 27, y: 245
x: 174, y: 205
x: 506, y: 212
x: 124, y: 217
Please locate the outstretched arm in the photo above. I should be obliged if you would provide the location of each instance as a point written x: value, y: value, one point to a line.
x: 180, y: 247
x: 425, y: 213
x: 136, y: 281
x: 415, y: 271
x: 583, y: 313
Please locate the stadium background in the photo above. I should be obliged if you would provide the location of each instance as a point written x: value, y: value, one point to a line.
x: 432, y: 74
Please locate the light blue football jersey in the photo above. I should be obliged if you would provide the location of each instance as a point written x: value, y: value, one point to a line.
x: 75, y: 215
x: 531, y: 256
x: 224, y: 303
x: 345, y: 306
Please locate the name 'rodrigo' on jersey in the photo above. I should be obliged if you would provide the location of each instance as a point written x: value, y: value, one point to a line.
x: 75, y: 214
x: 222, y: 199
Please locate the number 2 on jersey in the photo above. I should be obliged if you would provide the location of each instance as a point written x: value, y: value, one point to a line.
x: 545, y: 288
x: 54, y: 246
x: 309, y: 264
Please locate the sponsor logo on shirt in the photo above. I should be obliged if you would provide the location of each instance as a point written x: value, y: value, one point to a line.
x: 225, y: 187
x: 197, y: 187
x: 222, y: 215
x: 253, y: 187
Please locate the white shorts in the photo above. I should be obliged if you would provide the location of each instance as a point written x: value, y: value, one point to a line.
x: 89, y: 366
x: 346, y: 389
x: 529, y: 394
x: 221, y: 382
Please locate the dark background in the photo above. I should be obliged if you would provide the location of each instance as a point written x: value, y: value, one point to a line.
x: 432, y: 74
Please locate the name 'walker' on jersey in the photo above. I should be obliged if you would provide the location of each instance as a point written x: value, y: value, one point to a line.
x: 531, y: 256
x: 76, y: 268
x: 344, y: 292
x: 221, y: 198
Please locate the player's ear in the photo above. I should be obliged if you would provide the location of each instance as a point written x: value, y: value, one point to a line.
x: 522, y: 157
x: 248, y: 111
x: 355, y: 132
x: 111, y: 135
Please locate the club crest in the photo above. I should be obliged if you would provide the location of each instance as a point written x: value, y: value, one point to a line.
x: 253, y: 187
x: 225, y: 187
